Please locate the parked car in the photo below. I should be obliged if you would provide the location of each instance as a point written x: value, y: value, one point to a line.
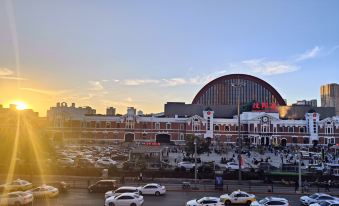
x: 105, y: 162
x: 205, y: 201
x: 125, y: 199
x: 152, y: 189
x: 326, y: 203
x: 65, y: 162
x: 186, y: 165
x: 84, y: 163
x: 122, y: 190
x: 316, y: 198
x: 44, y: 191
x: 103, y: 186
x: 62, y: 186
x: 271, y: 201
x: 16, y: 185
x: 16, y: 198
x: 237, y: 197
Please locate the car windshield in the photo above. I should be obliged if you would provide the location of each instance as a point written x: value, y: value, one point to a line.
x: 313, y: 196
x: 200, y: 200
x: 263, y: 201
x: 324, y: 204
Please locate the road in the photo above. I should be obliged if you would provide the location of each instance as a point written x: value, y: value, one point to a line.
x: 80, y: 197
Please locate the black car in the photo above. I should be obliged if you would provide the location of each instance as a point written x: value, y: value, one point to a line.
x: 62, y: 186
x: 103, y: 186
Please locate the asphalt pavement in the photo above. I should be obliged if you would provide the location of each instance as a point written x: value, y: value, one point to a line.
x: 81, y: 197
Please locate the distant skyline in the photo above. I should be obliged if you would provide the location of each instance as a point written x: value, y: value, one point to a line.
x: 146, y: 53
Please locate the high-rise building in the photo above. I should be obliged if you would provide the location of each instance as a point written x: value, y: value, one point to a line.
x: 312, y: 102
x: 330, y: 96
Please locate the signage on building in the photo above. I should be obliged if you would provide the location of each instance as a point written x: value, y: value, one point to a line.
x: 264, y: 107
x: 152, y: 143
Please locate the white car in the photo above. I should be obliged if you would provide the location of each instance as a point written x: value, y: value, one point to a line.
x: 205, y: 201
x: 235, y: 166
x: 125, y: 199
x: 326, y: 203
x: 44, y: 191
x: 16, y: 198
x: 122, y: 190
x: 16, y: 185
x: 271, y: 201
x: 68, y: 162
x: 105, y: 162
x: 152, y: 189
x: 316, y: 198
x: 186, y: 165
x: 237, y: 197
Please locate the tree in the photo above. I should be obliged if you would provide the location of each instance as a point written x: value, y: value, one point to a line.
x: 202, y: 145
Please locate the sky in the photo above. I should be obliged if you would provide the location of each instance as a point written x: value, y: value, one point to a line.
x: 146, y: 53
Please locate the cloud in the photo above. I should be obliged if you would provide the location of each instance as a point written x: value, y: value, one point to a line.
x: 96, y: 86
x: 5, y: 72
x: 309, y: 54
x: 174, y: 82
x: 12, y: 78
x: 263, y: 67
x: 136, y: 82
x: 47, y: 92
x: 129, y: 99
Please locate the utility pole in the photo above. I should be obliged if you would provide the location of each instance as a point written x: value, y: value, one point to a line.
x: 238, y: 85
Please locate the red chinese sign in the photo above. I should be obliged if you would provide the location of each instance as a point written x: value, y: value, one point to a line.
x: 264, y: 106
x: 152, y: 143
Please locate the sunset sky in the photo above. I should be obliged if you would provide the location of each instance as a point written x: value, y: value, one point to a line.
x: 145, y: 53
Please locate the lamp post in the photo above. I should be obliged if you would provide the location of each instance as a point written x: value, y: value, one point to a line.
x: 299, y: 168
x: 238, y: 85
x: 195, y: 161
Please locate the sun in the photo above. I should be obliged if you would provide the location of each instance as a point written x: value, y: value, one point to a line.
x: 20, y: 105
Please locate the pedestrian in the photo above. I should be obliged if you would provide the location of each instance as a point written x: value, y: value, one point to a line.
x: 328, y: 185
x: 305, y: 186
x: 296, y: 186
x: 140, y: 177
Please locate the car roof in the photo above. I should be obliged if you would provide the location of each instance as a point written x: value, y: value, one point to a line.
x: 210, y: 198
x: 277, y: 198
x: 127, y: 187
x: 126, y: 194
x: 152, y: 184
x: 107, y: 181
x: 321, y: 194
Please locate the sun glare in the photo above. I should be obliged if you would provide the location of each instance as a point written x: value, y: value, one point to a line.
x: 20, y: 105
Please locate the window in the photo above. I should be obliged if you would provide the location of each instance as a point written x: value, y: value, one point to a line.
x: 290, y: 129
x: 301, y: 129
x: 216, y: 127
x: 181, y: 136
x: 144, y: 125
x: 157, y: 125
x: 168, y: 125
x: 182, y: 126
x: 108, y: 125
x: 97, y: 125
x: 294, y: 140
x: 227, y: 128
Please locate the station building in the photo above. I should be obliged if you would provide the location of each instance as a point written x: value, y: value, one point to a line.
x: 265, y: 119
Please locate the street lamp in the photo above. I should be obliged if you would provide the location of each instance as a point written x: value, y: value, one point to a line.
x: 239, y: 85
x: 195, y: 161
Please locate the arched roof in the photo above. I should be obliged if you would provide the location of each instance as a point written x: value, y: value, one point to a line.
x: 222, y: 79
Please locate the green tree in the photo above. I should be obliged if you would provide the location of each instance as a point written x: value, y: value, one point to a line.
x: 202, y: 145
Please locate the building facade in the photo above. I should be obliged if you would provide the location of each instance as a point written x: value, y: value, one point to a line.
x: 329, y: 94
x: 259, y: 128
